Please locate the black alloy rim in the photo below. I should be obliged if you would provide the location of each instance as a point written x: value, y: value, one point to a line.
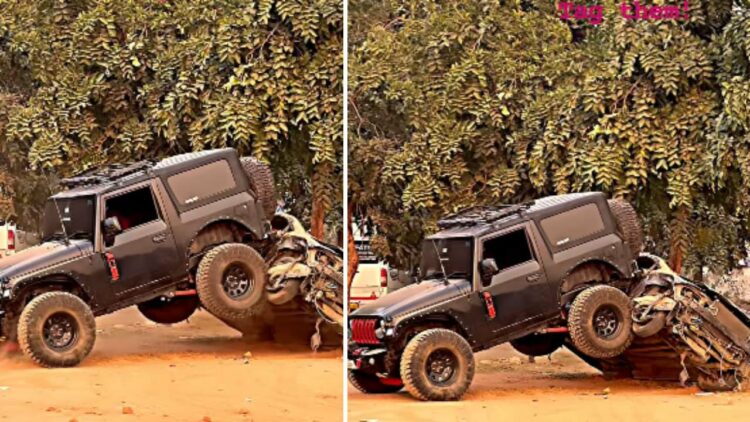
x: 60, y: 332
x: 236, y: 283
x: 441, y: 366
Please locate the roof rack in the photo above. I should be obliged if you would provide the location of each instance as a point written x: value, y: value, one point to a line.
x: 106, y: 174
x: 481, y: 214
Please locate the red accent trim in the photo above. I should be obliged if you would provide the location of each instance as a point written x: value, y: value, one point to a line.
x: 396, y: 382
x: 112, y: 264
x: 363, y: 331
x: 11, y: 240
x: 488, y: 302
x: 373, y: 297
x: 556, y: 330
x: 186, y: 292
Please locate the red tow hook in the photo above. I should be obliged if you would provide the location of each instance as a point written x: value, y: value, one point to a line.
x: 112, y: 264
x: 489, y: 304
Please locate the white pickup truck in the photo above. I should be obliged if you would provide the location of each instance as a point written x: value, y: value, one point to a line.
x: 371, y: 279
x: 7, y: 239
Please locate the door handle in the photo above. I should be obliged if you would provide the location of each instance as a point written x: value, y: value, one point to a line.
x: 159, y: 238
x: 534, y: 277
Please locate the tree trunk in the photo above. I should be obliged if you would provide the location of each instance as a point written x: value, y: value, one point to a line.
x: 679, y: 241
x: 353, y: 260
x: 317, y: 219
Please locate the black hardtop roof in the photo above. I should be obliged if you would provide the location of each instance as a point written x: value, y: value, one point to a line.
x: 478, y: 221
x: 102, y: 180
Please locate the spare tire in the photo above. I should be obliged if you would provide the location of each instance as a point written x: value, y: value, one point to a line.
x: 260, y: 177
x: 600, y: 322
x: 169, y: 310
x: 628, y: 224
x: 231, y: 281
x: 538, y: 344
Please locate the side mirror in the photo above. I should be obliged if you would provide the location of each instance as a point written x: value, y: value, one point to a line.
x: 111, y: 228
x: 488, y: 269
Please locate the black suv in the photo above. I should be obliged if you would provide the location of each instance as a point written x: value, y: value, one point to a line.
x: 535, y: 274
x: 136, y: 235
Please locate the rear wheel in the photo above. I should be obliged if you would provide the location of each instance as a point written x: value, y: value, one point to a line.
x: 231, y: 281
x: 261, y: 182
x: 437, y: 364
x: 600, y: 322
x: 538, y: 344
x: 373, y: 384
x: 169, y: 311
x: 57, y: 329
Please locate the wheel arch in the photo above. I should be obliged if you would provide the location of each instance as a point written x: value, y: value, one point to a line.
x: 410, y: 327
x: 587, y: 273
x: 28, y: 289
x: 216, y: 232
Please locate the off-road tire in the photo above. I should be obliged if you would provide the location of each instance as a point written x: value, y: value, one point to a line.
x: 414, y: 363
x: 538, y: 344
x: 628, y: 224
x: 210, y: 279
x: 38, y: 312
x: 261, y: 183
x: 586, y: 306
x: 175, y: 310
x: 370, y: 383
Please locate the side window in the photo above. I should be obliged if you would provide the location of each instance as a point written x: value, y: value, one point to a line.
x: 509, y: 249
x: 192, y: 186
x: 132, y: 209
x: 571, y: 226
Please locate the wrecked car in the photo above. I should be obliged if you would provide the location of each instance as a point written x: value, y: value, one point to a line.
x: 709, y: 334
x: 532, y: 274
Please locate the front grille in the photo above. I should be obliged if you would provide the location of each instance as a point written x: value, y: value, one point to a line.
x: 363, y: 331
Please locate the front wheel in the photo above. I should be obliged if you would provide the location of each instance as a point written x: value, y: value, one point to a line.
x: 373, y: 384
x: 437, y: 364
x: 57, y: 329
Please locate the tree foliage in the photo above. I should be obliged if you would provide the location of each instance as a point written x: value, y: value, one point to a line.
x: 462, y: 103
x: 105, y: 81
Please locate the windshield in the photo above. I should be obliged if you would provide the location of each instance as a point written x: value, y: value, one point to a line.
x: 456, y: 256
x: 76, y: 213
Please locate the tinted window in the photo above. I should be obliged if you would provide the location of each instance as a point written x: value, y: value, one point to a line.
x: 571, y: 226
x: 76, y: 214
x: 447, y: 258
x: 196, y: 185
x: 132, y: 209
x: 509, y: 249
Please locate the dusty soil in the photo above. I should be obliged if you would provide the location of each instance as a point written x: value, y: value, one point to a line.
x: 193, y: 371
x: 508, y: 387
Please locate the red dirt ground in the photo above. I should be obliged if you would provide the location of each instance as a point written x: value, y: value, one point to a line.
x: 187, y: 372
x: 508, y: 388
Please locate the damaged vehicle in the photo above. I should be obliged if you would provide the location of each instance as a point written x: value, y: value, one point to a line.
x: 167, y: 236
x: 708, y: 333
x: 533, y: 275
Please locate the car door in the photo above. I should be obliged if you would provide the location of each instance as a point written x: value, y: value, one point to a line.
x: 519, y: 290
x: 144, y: 251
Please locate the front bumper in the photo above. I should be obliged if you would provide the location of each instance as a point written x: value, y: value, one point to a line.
x: 366, y: 359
